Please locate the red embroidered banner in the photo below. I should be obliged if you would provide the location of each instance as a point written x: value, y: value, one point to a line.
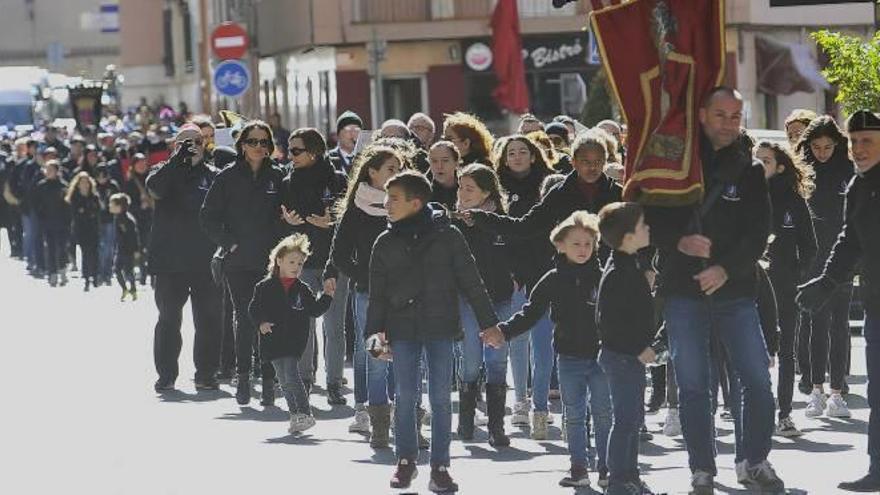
x: 662, y: 57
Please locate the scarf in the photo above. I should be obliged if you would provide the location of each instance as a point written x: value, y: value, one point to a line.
x: 487, y: 205
x: 370, y: 200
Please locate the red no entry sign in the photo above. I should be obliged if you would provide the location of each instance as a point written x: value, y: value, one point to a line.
x: 229, y: 41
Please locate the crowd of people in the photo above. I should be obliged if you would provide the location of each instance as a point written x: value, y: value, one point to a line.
x: 451, y: 263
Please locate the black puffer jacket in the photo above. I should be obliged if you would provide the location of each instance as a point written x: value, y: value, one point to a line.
x: 826, y: 203
x: 534, y: 256
x: 491, y: 254
x: 738, y: 224
x: 570, y: 291
x: 353, y: 244
x: 244, y: 209
x: 859, y: 241
x: 177, y: 242
x: 309, y: 191
x: 290, y: 311
x: 418, y: 270
x: 793, y: 249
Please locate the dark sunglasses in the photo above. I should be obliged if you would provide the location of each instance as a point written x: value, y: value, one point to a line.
x: 263, y: 143
x: 297, y: 151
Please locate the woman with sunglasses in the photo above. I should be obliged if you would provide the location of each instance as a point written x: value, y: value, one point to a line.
x: 308, y: 193
x: 242, y: 214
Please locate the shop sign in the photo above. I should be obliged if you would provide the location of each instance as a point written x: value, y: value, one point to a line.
x: 565, y: 51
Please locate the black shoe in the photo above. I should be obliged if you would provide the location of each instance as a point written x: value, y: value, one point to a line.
x: 804, y: 386
x: 405, y: 473
x: 869, y: 483
x: 243, y: 389
x: 658, y: 397
x: 223, y: 375
x: 441, y: 481
x: 163, y: 385
x: 334, y: 395
x: 268, y: 393
x: 209, y: 383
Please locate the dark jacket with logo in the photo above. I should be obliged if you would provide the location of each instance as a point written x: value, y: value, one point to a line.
x: 826, y: 203
x: 738, y: 224
x: 85, y: 210
x: 49, y: 204
x: 491, y: 254
x: 533, y: 256
x: 570, y: 292
x: 309, y: 191
x: 244, y: 209
x: 353, y: 244
x: 625, y: 312
x: 290, y: 311
x: 419, y: 268
x: 859, y: 241
x: 793, y: 249
x: 177, y: 242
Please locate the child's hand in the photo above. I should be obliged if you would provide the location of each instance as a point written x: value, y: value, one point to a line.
x: 492, y: 337
x: 266, y: 327
x: 330, y: 287
x: 647, y: 356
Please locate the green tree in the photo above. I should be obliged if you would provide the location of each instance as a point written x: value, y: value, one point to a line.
x: 854, y: 67
x: 599, y: 105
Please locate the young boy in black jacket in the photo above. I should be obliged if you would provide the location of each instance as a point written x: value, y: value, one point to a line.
x: 626, y: 322
x: 570, y: 291
x: 418, y: 269
x: 128, y: 244
x: 282, y: 308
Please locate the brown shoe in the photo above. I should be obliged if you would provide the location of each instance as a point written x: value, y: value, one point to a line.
x: 405, y: 473
x: 441, y: 481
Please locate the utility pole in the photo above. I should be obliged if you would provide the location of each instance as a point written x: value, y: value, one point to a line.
x: 377, y: 49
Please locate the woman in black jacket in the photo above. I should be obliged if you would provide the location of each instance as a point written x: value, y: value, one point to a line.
x: 522, y: 168
x: 791, y: 254
x: 85, y: 206
x: 480, y: 189
x: 307, y: 195
x: 824, y: 148
x: 242, y: 214
x: 363, y: 217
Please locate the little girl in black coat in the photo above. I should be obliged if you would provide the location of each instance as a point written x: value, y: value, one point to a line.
x: 281, y: 308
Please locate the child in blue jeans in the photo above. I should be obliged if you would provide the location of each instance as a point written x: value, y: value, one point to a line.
x: 625, y: 316
x: 281, y: 308
x: 570, y: 291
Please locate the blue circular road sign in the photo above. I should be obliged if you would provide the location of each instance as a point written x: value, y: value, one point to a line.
x: 231, y: 78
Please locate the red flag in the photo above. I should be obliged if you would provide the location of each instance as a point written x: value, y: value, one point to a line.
x: 511, y: 93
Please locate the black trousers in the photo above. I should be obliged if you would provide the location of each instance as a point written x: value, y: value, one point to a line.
x: 14, y: 232
x: 89, y: 248
x: 55, y: 249
x: 785, y: 288
x: 241, y: 288
x: 172, y: 291
x: 123, y: 268
x: 227, y: 341
x: 829, y: 340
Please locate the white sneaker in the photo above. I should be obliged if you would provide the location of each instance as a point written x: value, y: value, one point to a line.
x: 742, y: 472
x: 816, y: 404
x: 672, y: 426
x: 550, y: 419
x: 836, y: 407
x: 361, y: 423
x: 786, y: 428
x: 520, y: 415
x: 539, y: 425
x: 300, y: 422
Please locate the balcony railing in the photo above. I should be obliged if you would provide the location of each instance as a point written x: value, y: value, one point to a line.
x: 390, y: 11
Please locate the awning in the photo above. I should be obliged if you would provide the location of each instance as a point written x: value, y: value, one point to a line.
x: 786, y: 68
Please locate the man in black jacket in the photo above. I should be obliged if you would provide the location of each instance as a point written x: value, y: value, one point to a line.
x: 708, y: 279
x: 180, y: 256
x: 418, y: 268
x: 348, y: 126
x: 859, y: 241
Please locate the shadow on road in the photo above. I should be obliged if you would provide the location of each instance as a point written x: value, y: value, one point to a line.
x: 184, y: 397
x: 843, y: 425
x: 247, y: 413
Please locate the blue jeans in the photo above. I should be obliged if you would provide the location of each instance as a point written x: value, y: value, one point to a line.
x: 472, y: 351
x: 543, y: 357
x: 689, y: 322
x: 872, y: 358
x: 106, y: 245
x: 379, y: 374
x: 407, y: 371
x: 626, y: 379
x: 287, y: 371
x: 581, y: 380
x: 519, y: 352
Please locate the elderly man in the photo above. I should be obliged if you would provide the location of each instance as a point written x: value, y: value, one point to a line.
x: 348, y: 126
x: 180, y: 256
x: 423, y: 127
x: 859, y: 242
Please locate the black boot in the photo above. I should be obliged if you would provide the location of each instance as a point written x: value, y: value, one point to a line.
x: 268, y: 389
x: 467, y: 405
x: 243, y: 389
x: 658, y: 389
x: 496, y: 396
x: 334, y: 395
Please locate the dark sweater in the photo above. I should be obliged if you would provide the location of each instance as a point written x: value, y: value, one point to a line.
x: 625, y: 313
x: 289, y: 311
x: 570, y: 292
